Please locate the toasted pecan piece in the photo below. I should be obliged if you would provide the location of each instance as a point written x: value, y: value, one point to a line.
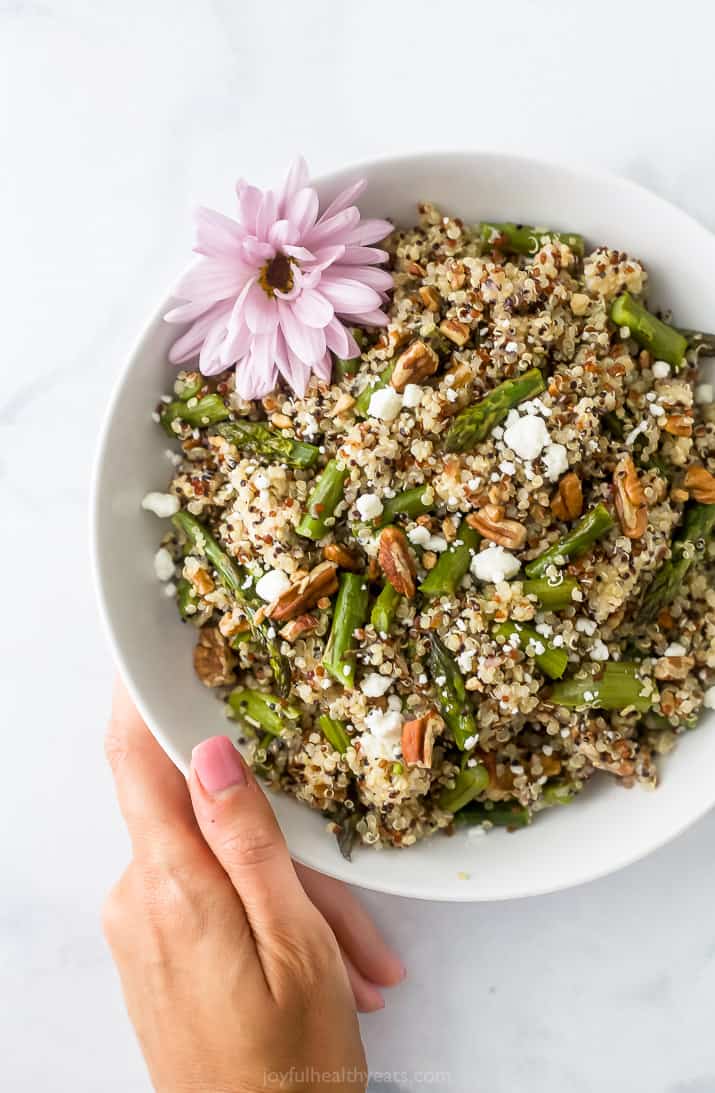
x: 673, y: 667
x: 701, y: 485
x: 567, y: 502
x: 341, y: 556
x: 456, y: 332
x: 491, y: 523
x: 418, y: 739
x: 304, y: 593
x: 630, y: 499
x: 213, y: 660
x: 430, y: 297
x: 396, y: 561
x: 678, y: 425
x: 295, y: 628
x: 417, y: 362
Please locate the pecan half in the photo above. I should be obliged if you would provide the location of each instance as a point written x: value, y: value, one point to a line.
x: 678, y: 425
x: 701, y: 485
x: 304, y: 593
x: 418, y: 739
x: 567, y: 502
x: 396, y: 560
x: 341, y: 556
x: 456, y: 332
x: 213, y: 660
x: 674, y: 667
x: 491, y: 524
x: 304, y: 624
x: 430, y: 297
x: 417, y: 362
x: 630, y: 499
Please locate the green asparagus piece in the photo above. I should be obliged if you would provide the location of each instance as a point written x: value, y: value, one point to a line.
x: 663, y: 341
x: 552, y: 661
x: 554, y: 597
x: 500, y: 813
x: 468, y: 784
x: 452, y: 564
x: 334, y: 732
x: 344, y: 366
x: 233, y: 579
x: 384, y: 608
x: 412, y: 503
x: 362, y: 403
x: 476, y: 422
x: 614, y: 425
x: 185, y: 598
x: 688, y: 547
x: 326, y: 496
x: 590, y: 528
x: 189, y: 386
x: 262, y: 711
x: 524, y: 239
x: 258, y: 439
x: 559, y: 793
x: 451, y: 693
x: 615, y: 687
x: 208, y: 410
x: 350, y: 613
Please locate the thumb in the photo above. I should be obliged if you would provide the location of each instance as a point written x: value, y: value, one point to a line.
x: 238, y: 824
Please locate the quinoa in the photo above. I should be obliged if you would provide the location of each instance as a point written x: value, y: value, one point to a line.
x: 608, y: 418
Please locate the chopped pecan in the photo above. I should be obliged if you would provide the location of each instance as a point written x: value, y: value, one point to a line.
x: 232, y: 623
x: 456, y: 332
x: 396, y: 561
x: 430, y: 297
x: 344, y: 403
x: 457, y: 276
x: 416, y: 269
x: 341, y: 556
x: 213, y: 660
x: 417, y: 362
x: 630, y: 499
x: 461, y: 374
x: 418, y: 739
x: 295, y: 628
x: 701, y: 484
x: 304, y: 593
x: 673, y: 667
x: 678, y: 425
x: 491, y: 523
x: 567, y: 502
x: 201, y: 580
x: 281, y: 421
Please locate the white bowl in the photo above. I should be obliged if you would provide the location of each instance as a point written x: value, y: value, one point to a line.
x: 607, y: 828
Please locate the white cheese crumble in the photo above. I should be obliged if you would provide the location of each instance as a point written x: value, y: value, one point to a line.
x: 555, y: 461
x: 385, y: 404
x: 385, y: 725
x: 412, y: 395
x: 270, y: 586
x: 599, y: 650
x: 527, y: 437
x: 369, y: 506
x: 261, y: 482
x: 161, y: 504
x: 495, y: 564
x: 656, y: 409
x: 709, y: 699
x: 703, y: 393
x: 675, y: 649
x: 163, y: 564
x: 661, y: 369
x: 374, y: 685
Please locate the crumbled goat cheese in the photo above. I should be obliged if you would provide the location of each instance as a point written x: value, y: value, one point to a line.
x: 656, y: 409
x: 709, y: 698
x: 465, y: 659
x: 507, y: 468
x: 374, y: 685
x: 385, y: 725
x: 635, y: 433
x: 495, y: 564
x: 555, y: 461
x: 661, y: 369
x: 675, y: 649
x: 527, y: 437
x: 586, y: 626
x: 412, y: 395
x: 161, y: 504
x: 261, y: 482
x: 599, y: 650
x: 703, y: 393
x: 270, y: 586
x: 419, y: 535
x: 385, y: 404
x: 369, y: 506
x: 163, y: 564
x: 558, y: 640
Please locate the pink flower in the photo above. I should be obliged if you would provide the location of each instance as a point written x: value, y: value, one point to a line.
x: 272, y: 289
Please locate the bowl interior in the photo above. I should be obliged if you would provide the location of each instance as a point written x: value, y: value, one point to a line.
x: 608, y: 827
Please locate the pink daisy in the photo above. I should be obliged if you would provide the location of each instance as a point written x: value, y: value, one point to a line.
x: 273, y: 289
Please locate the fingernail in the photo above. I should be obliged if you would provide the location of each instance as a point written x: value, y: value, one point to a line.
x: 218, y: 764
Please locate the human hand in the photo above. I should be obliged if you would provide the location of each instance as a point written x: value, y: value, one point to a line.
x: 231, y: 975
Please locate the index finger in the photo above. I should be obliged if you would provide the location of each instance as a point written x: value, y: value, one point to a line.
x: 152, y: 792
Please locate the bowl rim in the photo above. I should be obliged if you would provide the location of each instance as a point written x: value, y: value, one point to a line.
x: 579, y: 172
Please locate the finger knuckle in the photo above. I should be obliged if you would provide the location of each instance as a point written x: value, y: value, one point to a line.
x: 115, y: 747
x: 115, y: 910
x: 248, y: 846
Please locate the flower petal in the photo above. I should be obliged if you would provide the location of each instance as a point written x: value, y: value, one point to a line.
x: 282, y: 232
x: 249, y: 202
x: 211, y: 279
x: 370, y: 318
x: 209, y: 360
x: 369, y: 231
x: 346, y: 197
x: 334, y: 230
x: 216, y: 234
x: 255, y: 252
x: 340, y: 341
x: 188, y: 345
x: 379, y: 279
x: 312, y: 308
x: 325, y: 257
x: 260, y: 311
x: 307, y: 342
x: 266, y: 215
x: 236, y: 344
x: 302, y: 209
x: 347, y: 295
x: 296, y: 179
x: 364, y: 256
x: 299, y: 253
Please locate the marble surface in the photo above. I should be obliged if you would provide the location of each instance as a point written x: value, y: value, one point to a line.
x: 114, y: 120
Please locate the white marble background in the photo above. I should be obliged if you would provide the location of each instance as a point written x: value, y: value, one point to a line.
x: 114, y: 119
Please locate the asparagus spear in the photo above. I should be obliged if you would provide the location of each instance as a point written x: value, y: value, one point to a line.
x: 451, y: 694
x: 350, y: 612
x: 663, y: 341
x: 559, y: 793
x: 189, y: 386
x: 208, y: 410
x: 590, y: 528
x: 233, y: 579
x: 524, y: 239
x: 411, y: 503
x: 500, y: 813
x: 185, y: 598
x: 258, y: 439
x: 552, y: 661
x: 334, y: 732
x: 362, y: 403
x: 554, y: 597
x: 468, y: 784
x: 262, y: 711
x: 452, y: 564
x: 476, y: 422
x: 688, y: 547
x: 617, y: 686
x: 326, y: 496
x: 384, y: 608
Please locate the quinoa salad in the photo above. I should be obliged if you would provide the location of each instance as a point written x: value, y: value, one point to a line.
x: 472, y: 571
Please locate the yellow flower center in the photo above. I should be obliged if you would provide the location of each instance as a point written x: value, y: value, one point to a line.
x: 277, y: 274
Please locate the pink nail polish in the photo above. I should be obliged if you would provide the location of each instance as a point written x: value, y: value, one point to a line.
x: 218, y: 764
